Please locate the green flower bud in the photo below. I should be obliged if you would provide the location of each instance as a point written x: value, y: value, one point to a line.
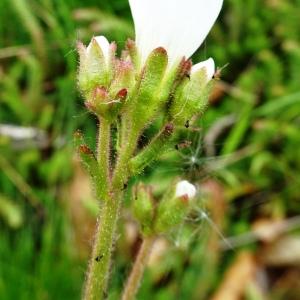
x: 174, y: 206
x: 143, y: 208
x: 191, y: 96
x: 96, y: 64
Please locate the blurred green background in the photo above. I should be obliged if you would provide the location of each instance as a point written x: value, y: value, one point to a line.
x: 244, y: 155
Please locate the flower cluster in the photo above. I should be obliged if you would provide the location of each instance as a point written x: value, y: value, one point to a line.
x: 154, y: 77
x: 154, y: 74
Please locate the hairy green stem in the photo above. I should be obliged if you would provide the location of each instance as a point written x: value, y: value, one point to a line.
x: 103, y: 246
x: 121, y: 172
x: 138, y: 269
x: 99, y: 268
x: 103, y: 158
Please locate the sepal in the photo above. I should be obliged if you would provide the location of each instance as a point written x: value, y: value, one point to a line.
x: 173, y: 79
x: 132, y: 53
x: 90, y: 163
x: 102, y: 104
x: 124, y: 78
x: 143, y: 208
x: 146, y: 101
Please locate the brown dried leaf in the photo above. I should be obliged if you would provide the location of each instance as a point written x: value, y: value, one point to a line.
x: 283, y: 252
x: 237, y: 278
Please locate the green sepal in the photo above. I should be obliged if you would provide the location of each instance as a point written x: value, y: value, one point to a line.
x: 111, y: 63
x: 143, y: 208
x: 159, y: 144
x: 90, y: 163
x: 132, y: 53
x: 146, y: 100
x: 124, y: 78
x: 102, y: 104
x: 190, y: 98
x: 171, y: 211
x: 174, y: 77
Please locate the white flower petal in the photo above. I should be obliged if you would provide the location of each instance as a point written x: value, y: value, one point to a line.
x: 184, y: 188
x: 103, y: 44
x: 180, y: 26
x: 209, y: 66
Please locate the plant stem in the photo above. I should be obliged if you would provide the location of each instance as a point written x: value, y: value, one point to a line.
x: 98, y: 273
x: 103, y: 246
x: 98, y: 270
x: 138, y: 269
x: 103, y: 153
x: 121, y: 172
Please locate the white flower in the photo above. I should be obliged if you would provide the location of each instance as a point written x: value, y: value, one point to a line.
x: 179, y: 26
x: 208, y: 65
x: 184, y: 188
x: 103, y: 43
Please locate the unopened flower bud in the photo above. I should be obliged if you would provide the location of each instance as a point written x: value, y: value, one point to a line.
x: 191, y: 97
x: 208, y: 66
x: 185, y: 189
x: 103, y: 44
x: 174, y: 206
x: 95, y: 64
